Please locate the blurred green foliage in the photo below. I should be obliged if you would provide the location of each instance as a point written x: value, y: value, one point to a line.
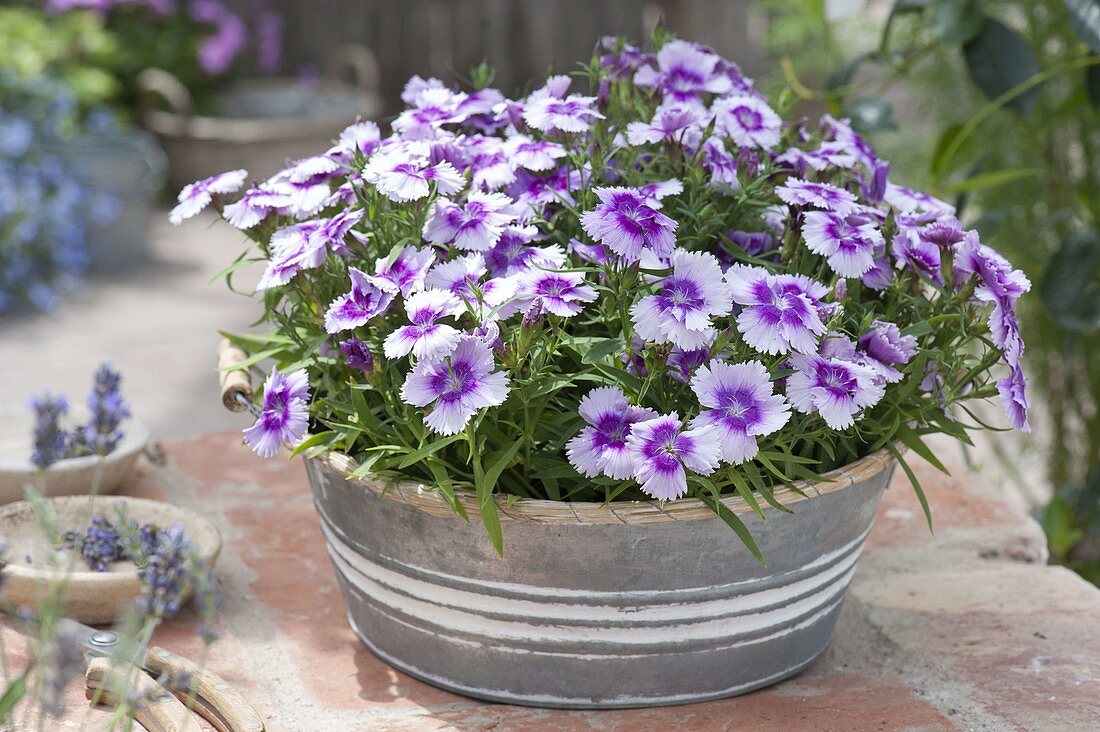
x: 75, y: 48
x: 1000, y: 106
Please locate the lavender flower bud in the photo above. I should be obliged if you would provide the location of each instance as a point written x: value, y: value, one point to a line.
x: 108, y: 409
x: 877, y: 189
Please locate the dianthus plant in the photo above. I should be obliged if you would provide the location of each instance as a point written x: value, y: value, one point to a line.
x: 635, y: 283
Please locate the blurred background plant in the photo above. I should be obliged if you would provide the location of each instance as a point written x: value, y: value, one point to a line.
x: 45, y: 211
x: 201, y: 42
x: 76, y: 48
x: 1000, y: 100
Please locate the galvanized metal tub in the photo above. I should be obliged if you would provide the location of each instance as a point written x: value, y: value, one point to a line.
x: 628, y: 605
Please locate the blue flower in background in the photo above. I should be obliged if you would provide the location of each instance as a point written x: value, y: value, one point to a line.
x: 45, y: 212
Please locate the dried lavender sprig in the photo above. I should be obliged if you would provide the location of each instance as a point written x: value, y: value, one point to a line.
x: 108, y: 408
x: 51, y: 441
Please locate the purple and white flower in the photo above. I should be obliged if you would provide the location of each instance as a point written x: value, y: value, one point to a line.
x: 600, y: 448
x: 475, y: 225
x: 513, y: 253
x: 255, y: 205
x: 685, y: 71
x: 534, y: 155
x: 626, y: 224
x: 572, y: 114
x: 661, y: 450
x: 559, y: 293
x: 887, y: 347
x: 403, y: 179
x: 798, y: 192
x: 848, y: 243
x: 998, y: 284
x: 670, y: 122
x: 689, y: 297
x: 838, y: 390
x: 305, y: 245
x: 457, y: 386
x: 369, y: 297
x: 747, y: 120
x: 1013, y: 391
x: 357, y: 355
x: 740, y: 406
x: 425, y: 337
x: 781, y: 313
x: 407, y: 269
x: 285, y: 415
x: 912, y: 250
x: 196, y: 196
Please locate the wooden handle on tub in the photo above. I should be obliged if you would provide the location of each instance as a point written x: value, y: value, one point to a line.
x: 237, y: 383
x: 156, y: 709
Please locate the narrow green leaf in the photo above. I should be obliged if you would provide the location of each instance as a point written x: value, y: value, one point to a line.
x: 915, y: 483
x: 912, y: 440
x: 431, y: 448
x: 734, y: 522
x: 15, y: 691
x: 602, y: 349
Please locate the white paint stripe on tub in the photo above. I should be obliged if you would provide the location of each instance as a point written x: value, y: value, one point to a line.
x: 600, y: 631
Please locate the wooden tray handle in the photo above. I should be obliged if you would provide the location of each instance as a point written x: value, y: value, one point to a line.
x: 356, y: 62
x: 167, y: 86
x: 159, y: 710
x: 219, y: 703
x: 234, y: 384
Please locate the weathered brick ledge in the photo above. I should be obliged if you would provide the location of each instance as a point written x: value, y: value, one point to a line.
x: 967, y: 629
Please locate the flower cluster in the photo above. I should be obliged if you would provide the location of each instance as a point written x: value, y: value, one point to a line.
x: 639, y: 283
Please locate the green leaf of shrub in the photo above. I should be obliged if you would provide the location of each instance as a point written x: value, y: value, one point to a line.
x: 999, y: 59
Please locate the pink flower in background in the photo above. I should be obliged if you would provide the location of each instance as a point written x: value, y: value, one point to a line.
x: 425, y: 337
x: 600, y: 448
x: 369, y: 297
x: 780, y: 312
x: 681, y: 312
x: 456, y: 387
x: 196, y: 196
x: 740, y: 406
x: 626, y: 224
x: 661, y: 450
x: 747, y: 120
x: 475, y: 225
x: 285, y: 415
x: 836, y: 389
